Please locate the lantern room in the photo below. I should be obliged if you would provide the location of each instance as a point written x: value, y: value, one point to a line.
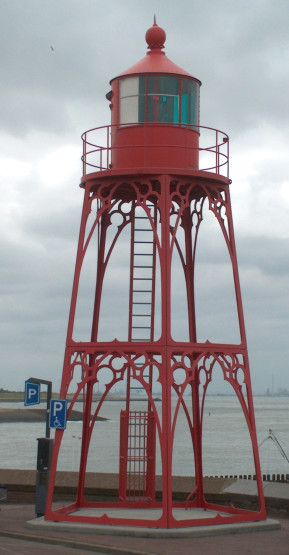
x: 154, y: 112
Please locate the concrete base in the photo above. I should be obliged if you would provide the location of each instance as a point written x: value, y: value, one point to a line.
x: 154, y: 514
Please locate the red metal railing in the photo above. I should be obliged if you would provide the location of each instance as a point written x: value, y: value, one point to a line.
x: 213, y: 148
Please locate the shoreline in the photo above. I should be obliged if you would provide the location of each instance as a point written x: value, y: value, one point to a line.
x: 28, y: 415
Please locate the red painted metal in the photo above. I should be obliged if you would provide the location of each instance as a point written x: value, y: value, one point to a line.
x: 155, y: 177
x: 155, y: 60
x: 137, y: 456
x: 209, y: 152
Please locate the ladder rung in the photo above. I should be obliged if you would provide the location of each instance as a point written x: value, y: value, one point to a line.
x: 136, y: 302
x: 142, y: 291
x: 142, y: 266
x: 145, y: 315
x: 143, y: 279
x: 144, y: 242
x: 141, y: 327
x: 143, y: 229
x: 143, y: 253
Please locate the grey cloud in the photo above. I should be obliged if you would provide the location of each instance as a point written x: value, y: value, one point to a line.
x: 47, y: 98
x: 268, y: 254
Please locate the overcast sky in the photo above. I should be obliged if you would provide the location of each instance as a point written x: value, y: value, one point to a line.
x: 240, y: 51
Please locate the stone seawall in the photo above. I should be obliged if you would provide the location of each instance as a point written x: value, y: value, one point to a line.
x: 20, y: 486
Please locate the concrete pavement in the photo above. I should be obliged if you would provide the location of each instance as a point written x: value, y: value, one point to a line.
x: 15, y: 537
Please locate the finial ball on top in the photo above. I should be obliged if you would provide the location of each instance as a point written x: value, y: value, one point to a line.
x: 155, y: 37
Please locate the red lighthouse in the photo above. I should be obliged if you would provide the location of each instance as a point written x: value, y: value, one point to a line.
x: 146, y: 178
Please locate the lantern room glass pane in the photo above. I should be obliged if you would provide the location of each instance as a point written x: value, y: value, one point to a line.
x: 128, y: 98
x: 163, y: 99
x: 163, y: 84
x: 129, y: 110
x: 128, y: 86
x: 159, y: 99
x: 190, y: 102
x: 142, y: 99
x: 142, y: 84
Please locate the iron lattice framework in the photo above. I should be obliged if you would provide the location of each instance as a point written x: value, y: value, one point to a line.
x: 170, y: 208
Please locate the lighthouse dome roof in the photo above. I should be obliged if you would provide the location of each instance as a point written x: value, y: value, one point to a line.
x: 155, y: 60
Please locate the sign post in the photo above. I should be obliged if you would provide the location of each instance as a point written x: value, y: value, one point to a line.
x: 45, y: 444
x: 31, y: 386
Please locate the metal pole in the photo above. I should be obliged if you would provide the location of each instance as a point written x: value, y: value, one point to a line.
x: 49, y: 395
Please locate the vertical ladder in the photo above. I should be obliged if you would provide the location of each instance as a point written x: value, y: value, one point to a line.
x: 142, y: 284
x: 138, y: 428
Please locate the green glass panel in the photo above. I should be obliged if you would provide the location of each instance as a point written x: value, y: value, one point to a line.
x: 141, y: 108
x: 142, y: 84
x: 185, y: 108
x: 163, y: 84
x: 163, y: 99
x: 163, y: 108
x: 176, y: 109
x: 190, y: 99
x: 150, y: 108
x: 169, y: 85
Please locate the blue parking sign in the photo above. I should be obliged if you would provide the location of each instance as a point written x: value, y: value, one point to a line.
x: 32, y: 394
x: 58, y: 414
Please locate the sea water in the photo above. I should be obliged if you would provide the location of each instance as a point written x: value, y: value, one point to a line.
x: 226, y: 442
